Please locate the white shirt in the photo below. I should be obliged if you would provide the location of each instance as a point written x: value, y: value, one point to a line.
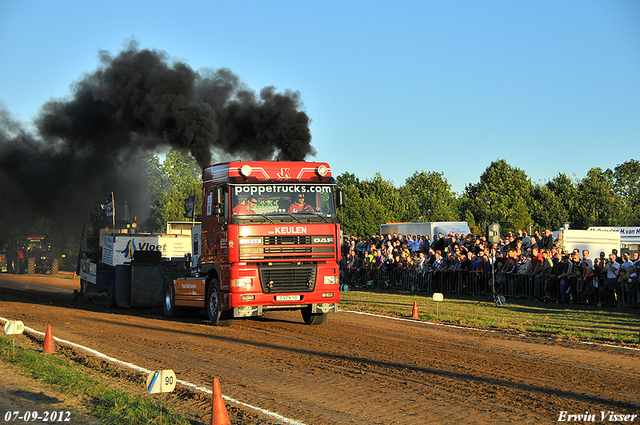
x: 410, y: 244
x: 613, y: 274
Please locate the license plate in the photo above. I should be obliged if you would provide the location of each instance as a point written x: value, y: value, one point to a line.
x: 287, y: 297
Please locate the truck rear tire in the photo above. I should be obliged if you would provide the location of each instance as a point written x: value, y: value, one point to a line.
x: 31, y: 265
x: 169, y: 301
x: 213, y: 302
x: 313, y: 319
x: 111, y: 297
x: 11, y: 266
x: 84, y: 289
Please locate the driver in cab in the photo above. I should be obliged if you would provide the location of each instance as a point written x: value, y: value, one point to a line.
x: 246, y: 207
x: 300, y: 206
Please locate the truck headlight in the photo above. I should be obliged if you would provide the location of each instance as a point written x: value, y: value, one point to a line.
x: 322, y: 170
x: 245, y: 170
x: 244, y: 282
x: 330, y: 280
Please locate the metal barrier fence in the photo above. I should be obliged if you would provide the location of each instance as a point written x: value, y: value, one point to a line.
x: 569, y: 290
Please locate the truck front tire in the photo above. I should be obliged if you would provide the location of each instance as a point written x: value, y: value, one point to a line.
x: 313, y: 319
x: 213, y: 302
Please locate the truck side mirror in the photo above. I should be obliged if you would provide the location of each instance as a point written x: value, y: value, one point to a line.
x: 218, y: 198
x: 341, y: 197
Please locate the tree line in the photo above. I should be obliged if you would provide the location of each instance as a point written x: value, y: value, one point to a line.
x: 504, y: 194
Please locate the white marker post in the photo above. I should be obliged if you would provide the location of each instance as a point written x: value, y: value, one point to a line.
x: 438, y: 298
x: 13, y: 327
x: 161, y: 381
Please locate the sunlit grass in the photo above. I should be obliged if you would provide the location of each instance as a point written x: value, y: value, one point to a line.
x: 110, y: 406
x: 516, y: 316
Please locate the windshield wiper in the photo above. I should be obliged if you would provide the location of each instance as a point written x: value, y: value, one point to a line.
x: 294, y: 217
x: 265, y: 216
x: 315, y: 214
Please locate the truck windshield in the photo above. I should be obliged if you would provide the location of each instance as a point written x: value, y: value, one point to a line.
x: 273, y: 199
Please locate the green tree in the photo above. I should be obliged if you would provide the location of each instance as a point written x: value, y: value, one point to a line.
x: 352, y: 220
x: 547, y: 212
x: 598, y: 205
x: 369, y: 203
x: 368, y: 213
x: 178, y: 177
x: 378, y: 191
x: 429, y: 198
x: 346, y: 180
x: 627, y: 187
x: 566, y: 194
x: 503, y: 196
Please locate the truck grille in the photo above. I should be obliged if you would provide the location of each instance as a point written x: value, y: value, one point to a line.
x: 287, y: 278
x: 286, y: 240
x: 299, y: 247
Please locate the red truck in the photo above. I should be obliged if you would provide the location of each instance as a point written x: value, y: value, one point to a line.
x: 269, y: 240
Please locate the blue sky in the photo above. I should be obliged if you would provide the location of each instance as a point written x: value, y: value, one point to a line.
x: 392, y: 87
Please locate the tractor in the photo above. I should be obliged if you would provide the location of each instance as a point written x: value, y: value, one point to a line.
x: 30, y: 254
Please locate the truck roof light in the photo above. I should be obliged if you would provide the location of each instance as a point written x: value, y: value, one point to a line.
x: 245, y: 170
x: 322, y: 170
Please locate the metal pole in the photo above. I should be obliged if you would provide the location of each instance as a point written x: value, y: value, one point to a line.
x: 493, y: 277
x: 113, y: 202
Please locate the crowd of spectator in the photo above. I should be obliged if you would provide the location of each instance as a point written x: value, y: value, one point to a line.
x: 520, y: 265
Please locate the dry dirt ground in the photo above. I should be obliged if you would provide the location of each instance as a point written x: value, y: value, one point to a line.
x: 354, y: 369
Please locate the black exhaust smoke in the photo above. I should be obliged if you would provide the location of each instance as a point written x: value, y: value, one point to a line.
x: 134, y: 104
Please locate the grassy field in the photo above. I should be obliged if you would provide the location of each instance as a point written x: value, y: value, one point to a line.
x: 583, y: 322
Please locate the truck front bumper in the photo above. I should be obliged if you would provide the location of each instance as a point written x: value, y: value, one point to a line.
x: 257, y: 310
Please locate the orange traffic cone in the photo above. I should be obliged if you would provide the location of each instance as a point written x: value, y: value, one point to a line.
x: 219, y: 414
x: 415, y: 311
x: 74, y: 275
x: 48, y: 342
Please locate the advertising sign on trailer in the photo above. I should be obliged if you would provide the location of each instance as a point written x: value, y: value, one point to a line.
x: 629, y: 236
x: 119, y: 249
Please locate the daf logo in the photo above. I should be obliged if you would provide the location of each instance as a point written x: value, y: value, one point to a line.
x: 323, y: 239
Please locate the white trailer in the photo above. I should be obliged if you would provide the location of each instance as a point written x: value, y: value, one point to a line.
x: 629, y: 237
x: 594, y: 242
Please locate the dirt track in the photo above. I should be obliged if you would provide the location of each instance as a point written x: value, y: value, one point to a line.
x: 354, y: 368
